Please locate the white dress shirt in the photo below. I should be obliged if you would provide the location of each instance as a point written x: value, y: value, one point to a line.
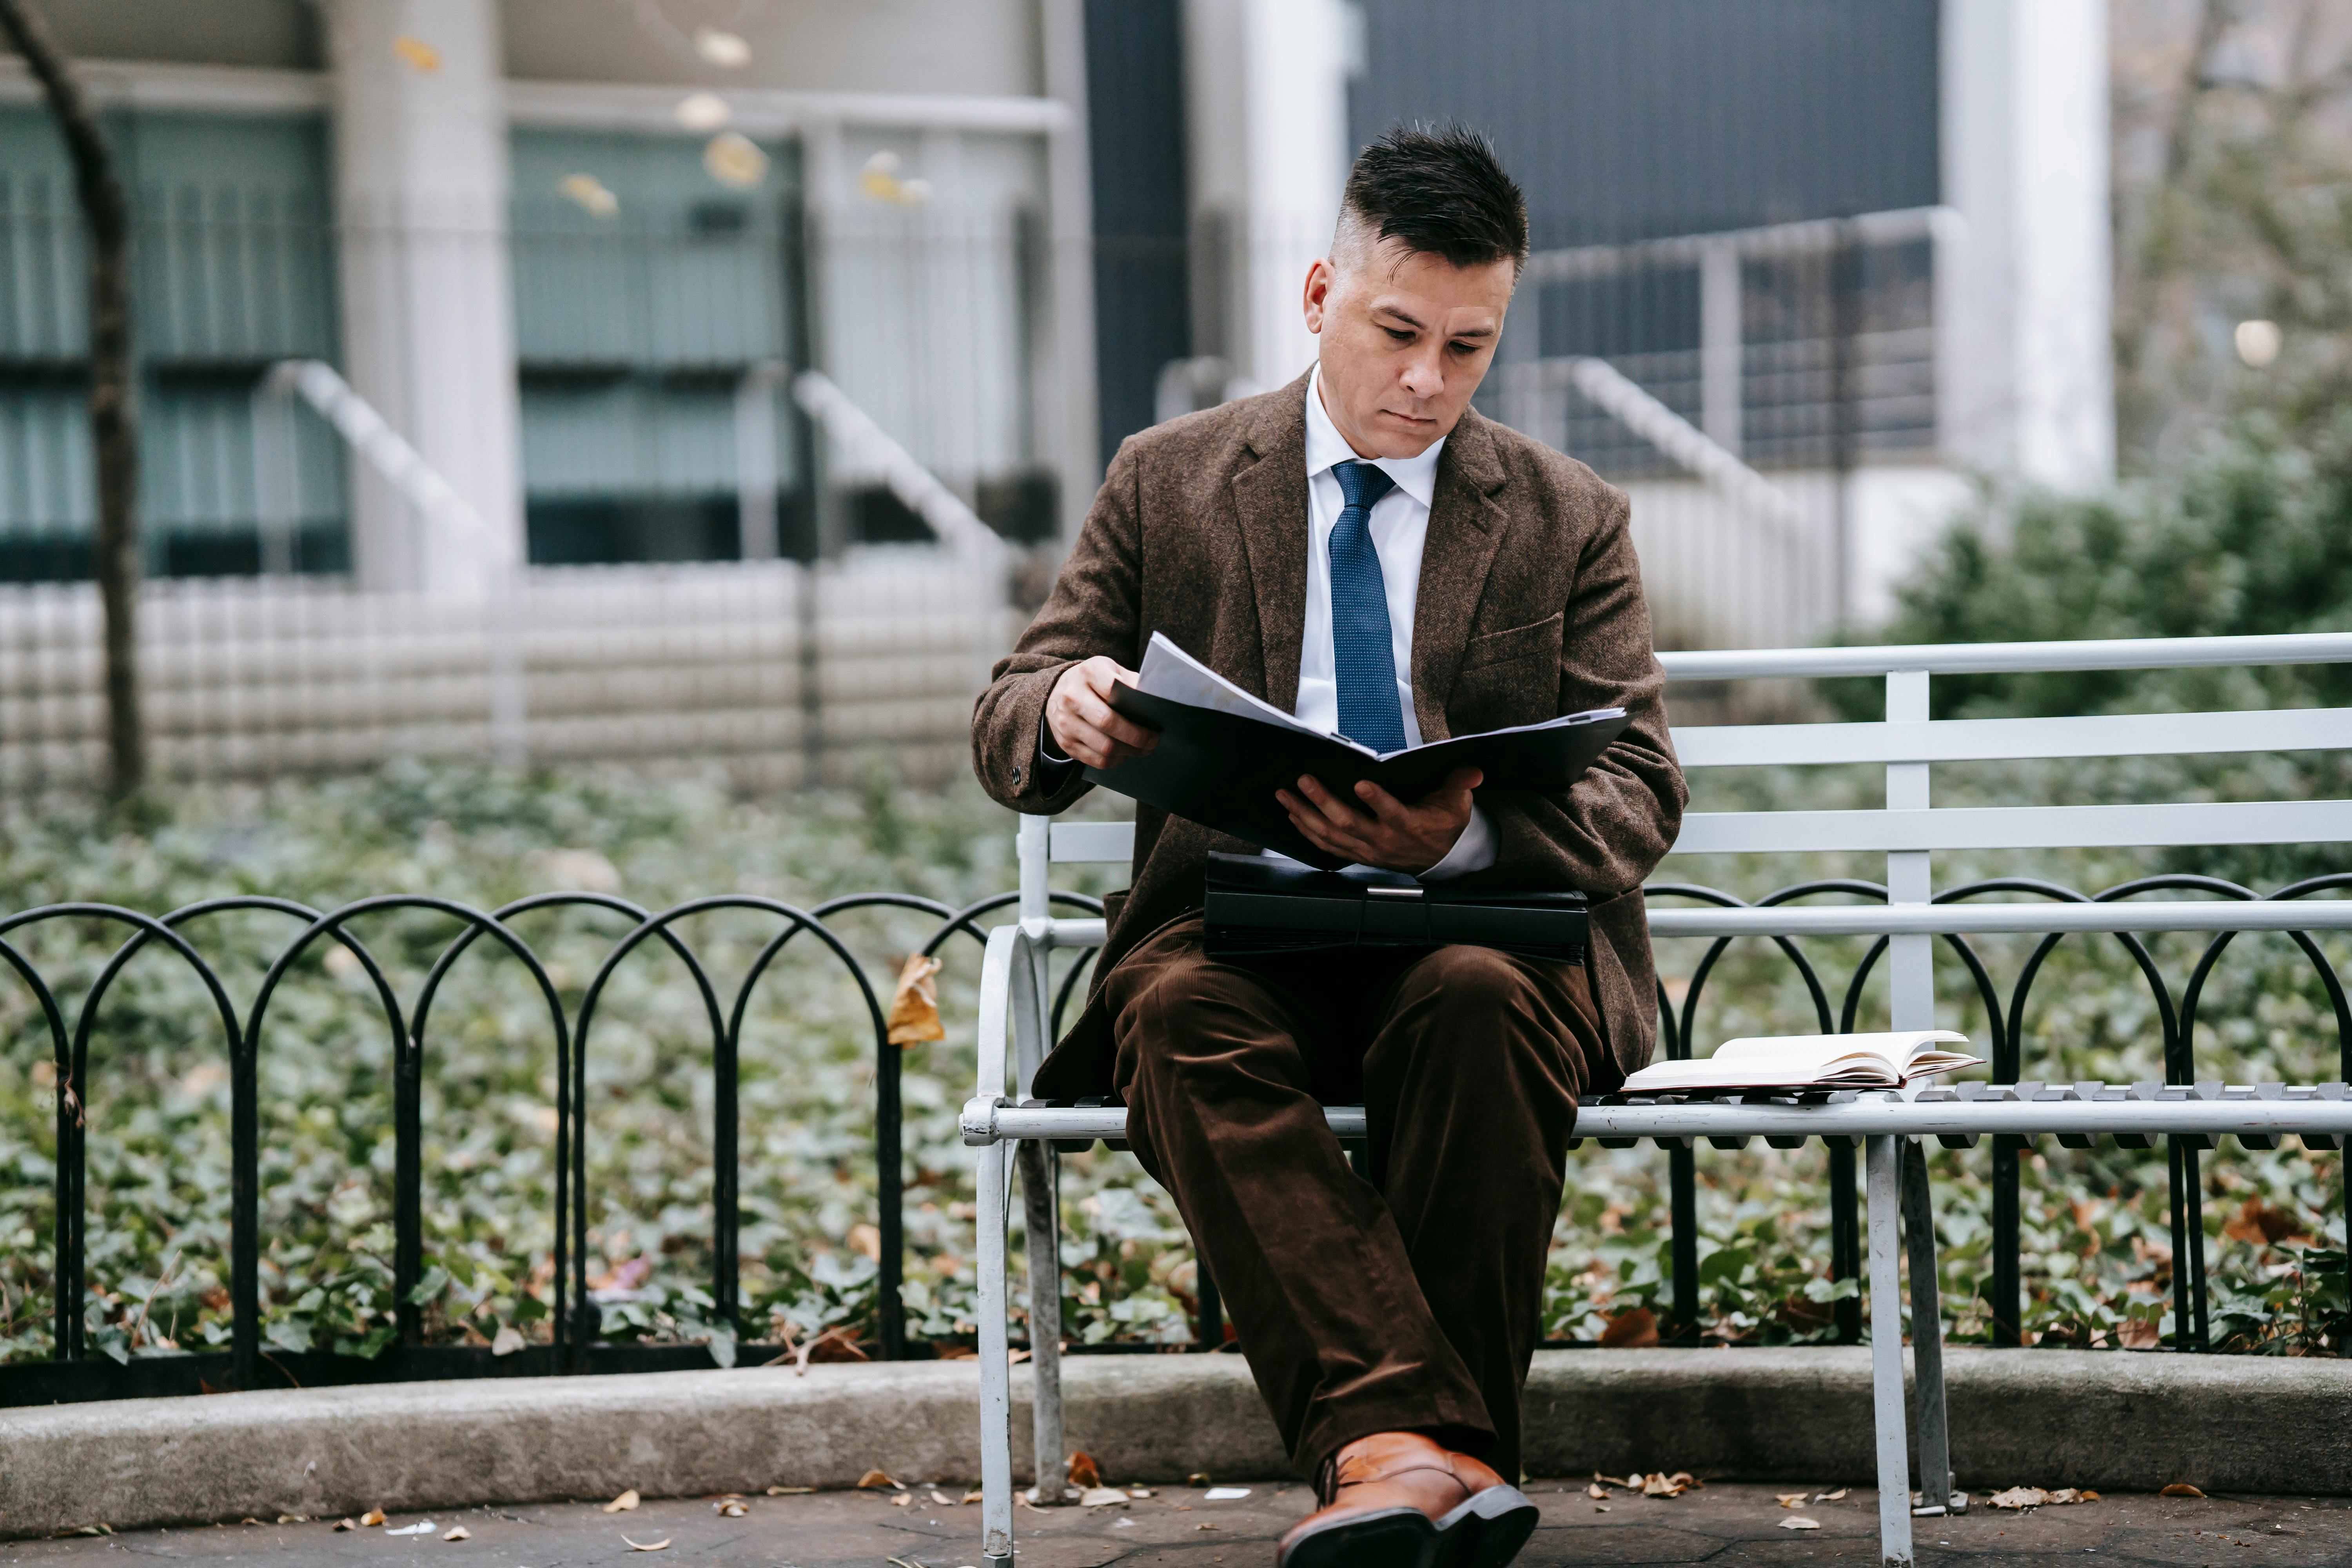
x: 1399, y: 527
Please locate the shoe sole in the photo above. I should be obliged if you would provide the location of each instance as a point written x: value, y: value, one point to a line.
x: 1487, y: 1531
x: 1393, y: 1538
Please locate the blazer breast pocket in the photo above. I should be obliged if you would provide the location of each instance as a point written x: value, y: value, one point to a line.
x: 1538, y: 638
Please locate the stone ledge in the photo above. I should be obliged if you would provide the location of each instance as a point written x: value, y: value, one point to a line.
x: 2044, y: 1417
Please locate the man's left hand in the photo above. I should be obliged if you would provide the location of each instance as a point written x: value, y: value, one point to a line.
x: 1378, y: 829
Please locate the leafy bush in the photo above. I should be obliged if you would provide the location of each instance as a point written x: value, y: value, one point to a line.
x: 2098, y: 1245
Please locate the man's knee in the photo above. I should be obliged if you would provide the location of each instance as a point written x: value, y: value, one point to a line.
x: 1192, y: 1018
x: 1467, y: 984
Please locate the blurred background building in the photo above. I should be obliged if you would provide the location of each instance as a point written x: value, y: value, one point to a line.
x: 679, y: 379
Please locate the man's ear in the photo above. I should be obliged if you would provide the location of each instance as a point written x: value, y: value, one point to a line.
x: 1319, y: 279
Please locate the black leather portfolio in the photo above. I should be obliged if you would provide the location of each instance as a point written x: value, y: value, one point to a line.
x: 1224, y: 752
x: 1255, y: 904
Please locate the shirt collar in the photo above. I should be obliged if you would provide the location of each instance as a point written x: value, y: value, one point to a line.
x: 1417, y: 476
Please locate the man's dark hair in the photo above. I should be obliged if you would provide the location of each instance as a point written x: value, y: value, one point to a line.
x: 1441, y: 190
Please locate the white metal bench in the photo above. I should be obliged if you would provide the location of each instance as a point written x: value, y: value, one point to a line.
x: 1014, y: 995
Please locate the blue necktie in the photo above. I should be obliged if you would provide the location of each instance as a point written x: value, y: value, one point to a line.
x: 1364, y: 656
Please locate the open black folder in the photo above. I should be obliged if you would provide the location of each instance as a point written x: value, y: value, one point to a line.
x: 1224, y: 752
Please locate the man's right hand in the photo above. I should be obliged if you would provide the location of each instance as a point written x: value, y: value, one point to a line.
x: 1082, y: 720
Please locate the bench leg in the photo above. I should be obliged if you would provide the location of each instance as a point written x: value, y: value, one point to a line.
x: 995, y: 1371
x: 1886, y: 1357
x: 1926, y: 1334
x: 1044, y: 1222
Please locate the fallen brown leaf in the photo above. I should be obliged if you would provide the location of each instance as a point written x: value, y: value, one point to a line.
x: 347, y: 1524
x: 1084, y: 1472
x: 2139, y: 1334
x: 2180, y: 1489
x: 661, y: 1546
x: 1790, y: 1499
x: 372, y: 1516
x: 2263, y: 1225
x: 972, y: 1496
x: 1837, y: 1496
x: 623, y: 1503
x: 1100, y: 1497
x: 1630, y: 1330
x: 293, y: 1519
x: 790, y: 1491
x: 874, y: 1479
x: 902, y: 1499
x: 1597, y: 1492
x: 2019, y: 1497
x: 1801, y: 1522
x: 456, y: 1533
x: 915, y: 1005
x: 942, y: 1498
x: 729, y: 1510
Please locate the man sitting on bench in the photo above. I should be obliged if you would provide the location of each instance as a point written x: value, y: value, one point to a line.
x: 1363, y: 549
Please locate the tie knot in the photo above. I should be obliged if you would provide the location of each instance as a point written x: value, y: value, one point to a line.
x: 1362, y: 484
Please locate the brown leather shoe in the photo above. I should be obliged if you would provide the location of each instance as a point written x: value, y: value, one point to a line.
x: 1397, y: 1500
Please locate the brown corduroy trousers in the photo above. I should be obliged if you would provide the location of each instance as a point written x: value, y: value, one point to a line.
x: 1407, y: 1299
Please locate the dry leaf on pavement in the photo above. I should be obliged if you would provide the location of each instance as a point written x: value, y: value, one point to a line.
x: 1801, y: 1522
x: 2019, y: 1497
x: 372, y: 1516
x: 791, y: 1491
x: 623, y: 1503
x: 972, y: 1496
x: 1100, y: 1497
x: 347, y: 1524
x: 942, y: 1498
x: 1790, y: 1499
x: 1837, y: 1496
x: 1661, y: 1484
x: 661, y: 1546
x: 902, y: 1499
x: 1597, y: 1492
x: 875, y: 1480
x: 456, y: 1533
x: 729, y: 1509
x: 2180, y: 1489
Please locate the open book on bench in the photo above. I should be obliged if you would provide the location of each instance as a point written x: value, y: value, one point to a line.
x: 1812, y: 1061
x: 1223, y: 753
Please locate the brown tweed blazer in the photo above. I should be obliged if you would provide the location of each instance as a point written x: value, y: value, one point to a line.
x: 1531, y: 606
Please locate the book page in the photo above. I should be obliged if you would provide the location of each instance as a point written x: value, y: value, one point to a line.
x: 1170, y: 673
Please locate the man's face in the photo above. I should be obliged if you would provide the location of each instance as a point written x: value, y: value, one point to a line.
x: 1405, y: 339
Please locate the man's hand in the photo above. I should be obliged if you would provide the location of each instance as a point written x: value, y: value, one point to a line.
x: 1083, y: 722
x: 1382, y: 830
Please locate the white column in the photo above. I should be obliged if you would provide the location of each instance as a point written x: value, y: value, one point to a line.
x: 1067, y: 431
x: 1267, y: 84
x: 428, y: 301
x: 2028, y: 390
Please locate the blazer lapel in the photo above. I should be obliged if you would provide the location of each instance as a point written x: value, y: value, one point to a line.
x: 1270, y: 502
x: 1466, y: 524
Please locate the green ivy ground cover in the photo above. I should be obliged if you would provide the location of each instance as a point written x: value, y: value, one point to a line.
x: 2098, y: 1248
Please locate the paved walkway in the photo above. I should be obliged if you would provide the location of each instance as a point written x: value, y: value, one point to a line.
x: 1724, y: 1525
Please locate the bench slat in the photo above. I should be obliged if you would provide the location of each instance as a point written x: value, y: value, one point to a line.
x: 2018, y: 827
x: 1993, y: 739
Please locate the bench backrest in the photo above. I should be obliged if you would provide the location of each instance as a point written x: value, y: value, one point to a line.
x: 1909, y: 829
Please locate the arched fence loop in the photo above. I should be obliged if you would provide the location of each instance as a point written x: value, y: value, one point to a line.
x: 574, y: 1337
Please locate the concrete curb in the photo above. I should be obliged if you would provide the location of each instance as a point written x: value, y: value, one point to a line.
x: 2041, y: 1418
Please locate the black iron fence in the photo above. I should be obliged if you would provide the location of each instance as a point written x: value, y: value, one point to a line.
x: 575, y: 1341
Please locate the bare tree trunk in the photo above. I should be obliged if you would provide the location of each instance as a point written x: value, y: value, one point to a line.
x: 113, y: 383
